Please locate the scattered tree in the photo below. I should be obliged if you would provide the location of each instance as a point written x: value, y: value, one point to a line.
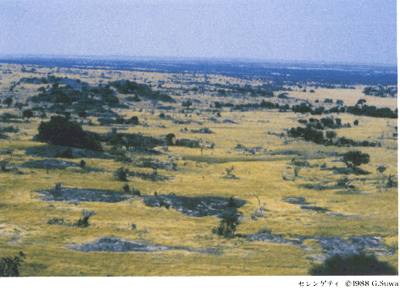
x: 352, y: 159
x: 27, y: 113
x: 331, y: 134
x: 8, y: 101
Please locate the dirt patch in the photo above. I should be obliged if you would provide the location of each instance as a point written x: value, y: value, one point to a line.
x: 52, y: 151
x: 82, y: 195
x: 54, y: 164
x: 193, y: 206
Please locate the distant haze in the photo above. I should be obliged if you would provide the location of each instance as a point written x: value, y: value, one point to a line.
x: 346, y: 31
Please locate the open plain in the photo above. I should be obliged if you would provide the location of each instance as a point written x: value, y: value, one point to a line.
x: 174, y: 153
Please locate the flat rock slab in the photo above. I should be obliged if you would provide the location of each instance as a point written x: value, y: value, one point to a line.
x: 352, y: 245
x: 194, y: 206
x: 82, y: 195
x: 113, y: 244
x: 54, y: 164
x: 332, y: 245
x: 267, y: 237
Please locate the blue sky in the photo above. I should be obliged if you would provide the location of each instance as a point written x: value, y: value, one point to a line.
x: 350, y: 31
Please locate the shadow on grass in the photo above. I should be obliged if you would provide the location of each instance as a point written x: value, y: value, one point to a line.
x: 348, y: 171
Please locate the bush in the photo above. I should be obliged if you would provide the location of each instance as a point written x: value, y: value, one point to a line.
x: 330, y: 134
x: 228, y: 224
x: 8, y: 101
x: 126, y: 188
x: 352, y: 159
x: 84, y: 222
x: 60, y: 131
x: 3, y: 165
x: 122, y: 174
x: 356, y: 264
x: 169, y: 139
x: 82, y: 164
x: 9, y: 266
x: 27, y: 113
x: 67, y: 153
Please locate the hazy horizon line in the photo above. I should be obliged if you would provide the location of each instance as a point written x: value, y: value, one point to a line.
x: 198, y: 58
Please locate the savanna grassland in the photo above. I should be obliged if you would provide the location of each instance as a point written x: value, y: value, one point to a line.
x: 228, y: 137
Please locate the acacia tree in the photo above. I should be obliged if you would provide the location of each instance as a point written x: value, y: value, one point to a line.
x: 8, y: 101
x: 27, y: 113
x: 352, y: 159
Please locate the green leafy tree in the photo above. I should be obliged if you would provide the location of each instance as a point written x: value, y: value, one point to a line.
x: 330, y: 134
x: 352, y: 159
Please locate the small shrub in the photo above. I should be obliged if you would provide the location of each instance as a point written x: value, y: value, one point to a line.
x: 164, y: 204
x: 82, y: 164
x: 170, y: 139
x: 9, y: 266
x: 126, y: 188
x: 381, y: 169
x: 3, y: 165
x: 343, y: 182
x: 228, y: 224
x: 302, y: 121
x: 84, y: 222
x: 356, y: 264
x: 67, y: 153
x: 135, y: 192
x: 56, y: 221
x: 356, y: 122
x: 390, y: 183
x: 296, y: 171
x: 122, y: 174
x: 265, y: 231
